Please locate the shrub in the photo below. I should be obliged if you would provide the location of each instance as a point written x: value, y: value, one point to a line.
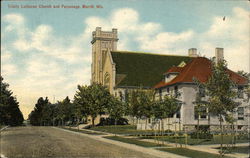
x: 201, y: 135
x: 243, y: 137
x: 111, y: 121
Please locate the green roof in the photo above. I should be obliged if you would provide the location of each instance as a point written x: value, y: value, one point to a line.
x: 143, y: 69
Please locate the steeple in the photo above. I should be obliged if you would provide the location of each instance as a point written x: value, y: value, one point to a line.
x: 102, y: 41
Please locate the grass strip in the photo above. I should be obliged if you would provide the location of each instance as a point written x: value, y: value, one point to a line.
x: 190, y: 153
x: 134, y: 141
x: 119, y: 129
x: 241, y: 149
x: 82, y: 131
x: 123, y: 129
x: 191, y: 141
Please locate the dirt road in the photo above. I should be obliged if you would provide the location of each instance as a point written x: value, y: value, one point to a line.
x: 47, y: 142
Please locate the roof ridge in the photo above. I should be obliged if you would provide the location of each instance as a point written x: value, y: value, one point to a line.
x: 147, y: 53
x: 200, y: 68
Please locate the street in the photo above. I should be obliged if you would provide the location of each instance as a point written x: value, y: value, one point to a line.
x: 42, y: 142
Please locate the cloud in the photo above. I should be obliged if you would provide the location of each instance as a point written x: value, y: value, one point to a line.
x: 5, y: 55
x: 231, y: 34
x: 42, y: 40
x: 53, y: 65
x: 130, y: 28
x: 16, y: 23
x: 8, y: 69
x: 128, y: 22
x: 14, y: 19
x: 164, y: 41
x: 22, y: 45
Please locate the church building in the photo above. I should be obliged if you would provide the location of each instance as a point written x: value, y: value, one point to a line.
x: 123, y: 71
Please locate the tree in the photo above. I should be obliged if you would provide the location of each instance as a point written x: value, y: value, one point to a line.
x: 200, y: 109
x: 47, y: 114
x: 201, y: 105
x: 115, y: 108
x: 65, y: 110
x: 244, y: 74
x: 92, y: 99
x: 231, y: 119
x: 146, y: 100
x: 140, y: 103
x: 219, y: 88
x: 10, y: 113
x: 160, y: 112
x: 133, y: 105
x: 36, y: 117
x: 166, y: 108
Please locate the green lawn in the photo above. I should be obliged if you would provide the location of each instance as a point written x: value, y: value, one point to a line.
x: 242, y: 149
x: 134, y: 141
x: 190, y: 153
x: 115, y: 129
x: 85, y: 132
x: 122, y: 129
x: 227, y: 139
x: 131, y: 130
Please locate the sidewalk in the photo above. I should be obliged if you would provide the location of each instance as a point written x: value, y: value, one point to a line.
x: 4, y: 128
x: 204, y: 148
x: 150, y: 151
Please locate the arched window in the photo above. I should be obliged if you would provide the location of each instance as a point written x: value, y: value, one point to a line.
x: 107, y: 80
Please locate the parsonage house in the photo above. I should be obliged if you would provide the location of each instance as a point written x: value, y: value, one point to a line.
x: 124, y: 71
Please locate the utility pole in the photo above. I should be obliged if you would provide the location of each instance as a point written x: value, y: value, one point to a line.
x: 53, y: 111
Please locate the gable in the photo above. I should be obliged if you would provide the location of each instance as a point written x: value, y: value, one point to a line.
x: 143, y: 69
x: 182, y: 64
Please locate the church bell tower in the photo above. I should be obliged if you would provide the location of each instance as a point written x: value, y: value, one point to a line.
x: 102, y: 42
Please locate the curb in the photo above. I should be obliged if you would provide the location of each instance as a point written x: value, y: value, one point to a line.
x: 4, y: 128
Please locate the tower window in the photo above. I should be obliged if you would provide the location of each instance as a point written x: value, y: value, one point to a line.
x: 240, y: 113
x: 240, y: 92
x: 126, y: 95
x: 200, y: 112
x: 202, y: 92
x: 160, y: 93
x: 168, y: 90
x: 176, y: 91
x: 107, y: 80
x: 178, y: 114
x: 121, y: 96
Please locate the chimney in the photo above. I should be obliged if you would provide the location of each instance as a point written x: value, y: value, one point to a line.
x: 98, y: 28
x: 192, y: 52
x: 114, y: 30
x: 98, y: 31
x: 219, y: 54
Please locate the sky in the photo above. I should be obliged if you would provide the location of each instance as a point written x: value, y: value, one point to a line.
x: 47, y: 51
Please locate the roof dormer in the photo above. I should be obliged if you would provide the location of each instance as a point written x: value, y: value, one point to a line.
x: 172, y: 73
